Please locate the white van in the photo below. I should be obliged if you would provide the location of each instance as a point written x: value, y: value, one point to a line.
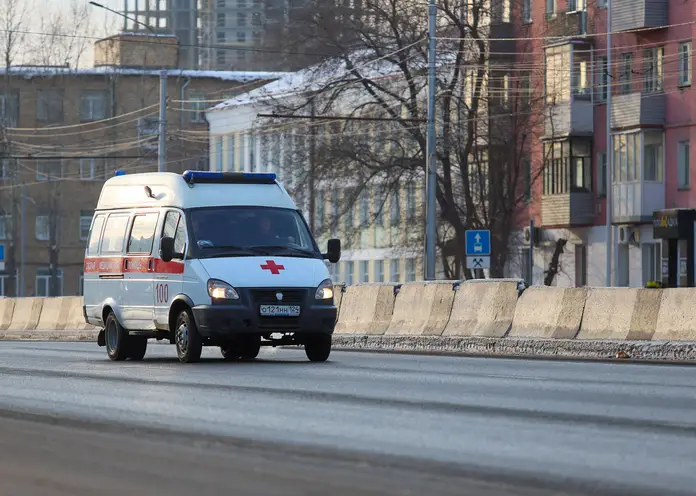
x: 206, y: 259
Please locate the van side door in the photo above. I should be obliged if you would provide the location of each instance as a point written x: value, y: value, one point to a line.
x: 169, y: 276
x: 138, y: 268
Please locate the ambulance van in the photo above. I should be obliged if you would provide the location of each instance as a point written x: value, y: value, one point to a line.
x: 206, y: 259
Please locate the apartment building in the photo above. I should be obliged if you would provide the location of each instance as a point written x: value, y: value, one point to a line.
x: 564, y: 43
x: 380, y: 225
x: 64, y: 131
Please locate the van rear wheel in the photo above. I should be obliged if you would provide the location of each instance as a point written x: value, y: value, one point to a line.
x: 137, y: 347
x: 116, y: 338
x: 189, y: 343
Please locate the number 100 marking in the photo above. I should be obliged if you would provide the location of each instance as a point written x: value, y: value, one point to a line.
x: 162, y: 293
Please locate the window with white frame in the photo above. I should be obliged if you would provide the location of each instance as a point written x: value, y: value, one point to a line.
x: 652, y: 156
x: 526, y: 11
x: 653, y: 69
x: 43, y: 283
x: 379, y: 270
x: 683, y: 164
x: 685, y: 64
x: 148, y: 132
x: 349, y: 269
x: 85, y: 223
x: 9, y: 108
x: 92, y: 169
x: 198, y: 107
x: 626, y: 73
x: 49, y: 170
x: 550, y: 8
x: 411, y: 201
x: 364, y: 271
x: 43, y: 227
x: 652, y: 262
x: 92, y: 106
x: 49, y: 106
x: 395, y: 270
x: 5, y: 169
x: 410, y: 269
x: 395, y: 207
x: 364, y: 208
x: 5, y: 226
x: 5, y: 281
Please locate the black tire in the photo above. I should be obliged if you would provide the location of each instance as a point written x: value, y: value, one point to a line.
x: 230, y: 352
x: 249, y: 347
x: 189, y: 343
x: 116, y: 338
x: 318, y: 347
x: 137, y: 347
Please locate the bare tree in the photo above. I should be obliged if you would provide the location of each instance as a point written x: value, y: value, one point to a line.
x: 13, y: 16
x: 489, y: 112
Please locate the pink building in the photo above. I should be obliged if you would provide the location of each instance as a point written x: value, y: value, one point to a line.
x: 563, y: 44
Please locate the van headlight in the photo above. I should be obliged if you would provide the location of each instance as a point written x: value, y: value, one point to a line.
x: 220, y: 290
x: 324, y: 291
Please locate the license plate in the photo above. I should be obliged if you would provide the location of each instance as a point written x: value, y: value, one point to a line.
x: 280, y: 310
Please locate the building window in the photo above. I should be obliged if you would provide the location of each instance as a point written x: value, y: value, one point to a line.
x: 364, y: 208
x: 221, y: 57
x: 626, y: 75
x: 350, y: 268
x: 685, y: 64
x: 241, y: 37
x: 653, y: 69
x: 652, y: 151
x: 219, y: 157
x: 527, y: 11
x: 43, y: 283
x: 567, y: 167
x: 364, y: 271
x: 410, y: 269
x: 550, y: 8
x: 348, y: 219
x: 221, y: 19
x: 602, y: 79
x: 683, y: 164
x: 85, y: 224
x: 395, y: 207
x: 5, y: 284
x: 221, y: 37
x: 335, y: 208
x: 410, y: 201
x: 379, y: 206
x: 379, y: 270
x: 601, y: 174
x: 241, y: 19
x: 395, y: 270
x: 48, y: 170
x: 652, y: 262
x: 148, y: 133
x: 91, y: 169
x: 527, y: 179
x: 5, y: 227
x: 320, y: 207
x: 92, y: 106
x: 9, y: 108
x: 49, y: 106
x: 231, y: 152
x: 198, y: 107
x: 43, y: 227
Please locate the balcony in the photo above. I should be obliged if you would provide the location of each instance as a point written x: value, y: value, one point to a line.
x: 573, y: 118
x: 567, y: 209
x: 638, y: 14
x: 638, y: 109
x: 639, y: 187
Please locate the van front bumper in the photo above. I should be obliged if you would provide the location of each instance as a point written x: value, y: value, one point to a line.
x: 244, y: 316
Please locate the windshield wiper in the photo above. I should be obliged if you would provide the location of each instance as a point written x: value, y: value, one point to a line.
x: 231, y: 250
x: 291, y: 249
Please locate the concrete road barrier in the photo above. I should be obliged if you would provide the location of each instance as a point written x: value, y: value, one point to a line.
x: 546, y: 312
x: 366, y: 309
x: 422, y: 309
x: 676, y: 320
x: 76, y: 318
x: 26, y: 315
x: 54, y: 314
x: 620, y: 314
x: 483, y: 309
x: 6, y: 310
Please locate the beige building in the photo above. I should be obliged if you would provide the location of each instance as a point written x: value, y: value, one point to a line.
x: 64, y: 131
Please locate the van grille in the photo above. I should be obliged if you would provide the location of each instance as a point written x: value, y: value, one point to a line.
x: 268, y: 296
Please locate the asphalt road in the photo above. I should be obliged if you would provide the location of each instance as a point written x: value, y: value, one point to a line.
x: 74, y: 423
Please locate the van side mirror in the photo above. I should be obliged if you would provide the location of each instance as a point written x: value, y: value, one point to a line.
x: 333, y: 252
x: 167, y: 249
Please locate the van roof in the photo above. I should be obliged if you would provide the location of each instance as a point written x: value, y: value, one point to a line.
x: 193, y: 189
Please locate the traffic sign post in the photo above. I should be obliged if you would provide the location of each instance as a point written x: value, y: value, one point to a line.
x: 2, y: 257
x: 478, y: 249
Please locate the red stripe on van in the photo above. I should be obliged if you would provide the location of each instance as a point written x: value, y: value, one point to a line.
x: 125, y: 265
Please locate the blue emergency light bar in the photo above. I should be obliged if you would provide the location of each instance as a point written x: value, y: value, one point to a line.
x: 207, y: 177
x: 120, y: 173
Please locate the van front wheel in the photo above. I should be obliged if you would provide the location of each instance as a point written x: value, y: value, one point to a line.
x: 189, y: 343
x: 116, y: 338
x: 318, y: 347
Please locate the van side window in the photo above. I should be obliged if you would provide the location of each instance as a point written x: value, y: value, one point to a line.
x: 174, y: 227
x: 114, y: 234
x: 142, y: 233
x: 95, y: 235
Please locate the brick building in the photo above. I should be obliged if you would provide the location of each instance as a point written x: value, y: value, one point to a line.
x: 65, y: 130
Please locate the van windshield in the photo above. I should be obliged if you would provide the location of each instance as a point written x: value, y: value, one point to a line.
x: 251, y: 231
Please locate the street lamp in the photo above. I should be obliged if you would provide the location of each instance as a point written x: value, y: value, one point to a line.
x: 162, y: 149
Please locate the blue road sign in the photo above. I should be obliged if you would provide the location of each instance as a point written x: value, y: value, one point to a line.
x: 2, y: 253
x: 478, y: 243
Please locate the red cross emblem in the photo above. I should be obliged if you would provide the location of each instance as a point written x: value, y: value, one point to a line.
x: 273, y: 267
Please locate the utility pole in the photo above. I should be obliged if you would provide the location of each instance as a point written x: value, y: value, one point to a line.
x: 312, y: 166
x: 431, y: 163
x: 610, y: 159
x: 162, y: 152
